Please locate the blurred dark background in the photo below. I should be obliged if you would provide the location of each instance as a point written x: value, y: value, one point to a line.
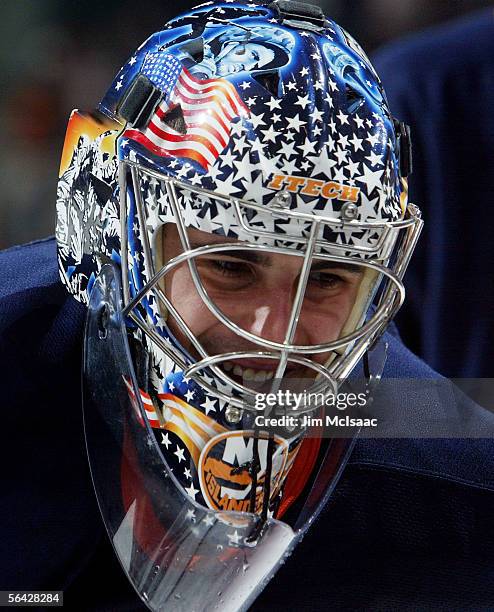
x: 57, y: 55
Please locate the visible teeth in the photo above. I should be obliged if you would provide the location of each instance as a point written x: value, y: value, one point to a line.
x: 263, y: 376
x: 248, y: 374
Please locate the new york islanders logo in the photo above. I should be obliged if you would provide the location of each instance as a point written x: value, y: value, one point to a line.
x: 225, y: 470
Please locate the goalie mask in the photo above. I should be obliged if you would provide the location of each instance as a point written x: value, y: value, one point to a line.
x: 235, y: 216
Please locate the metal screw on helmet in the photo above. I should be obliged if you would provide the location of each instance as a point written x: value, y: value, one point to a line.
x: 283, y: 199
x: 349, y: 211
x: 233, y: 415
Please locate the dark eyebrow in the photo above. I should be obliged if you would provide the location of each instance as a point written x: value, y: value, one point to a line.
x: 247, y: 255
x: 335, y: 265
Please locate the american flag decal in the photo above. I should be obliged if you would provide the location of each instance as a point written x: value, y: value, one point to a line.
x: 193, y: 427
x: 209, y: 106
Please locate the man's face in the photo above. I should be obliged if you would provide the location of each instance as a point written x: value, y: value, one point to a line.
x: 256, y: 291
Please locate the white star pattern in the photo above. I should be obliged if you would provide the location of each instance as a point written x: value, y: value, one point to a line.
x: 237, y: 128
x: 191, y: 491
x: 295, y: 123
x: 353, y: 168
x: 244, y: 167
x: 339, y: 175
x: 374, y: 159
x: 332, y: 85
x: 214, y: 172
x: 289, y: 167
x: 179, y: 453
x: 371, y: 179
x: 288, y: 149
x: 308, y: 147
x: 270, y: 134
x: 227, y: 159
x: 317, y: 114
x: 342, y: 117
x: 165, y: 440
x: 341, y: 154
x: 374, y: 139
x: 240, y: 145
x: 269, y: 165
x: 357, y: 143
x: 322, y: 163
x: 256, y: 120
x: 273, y: 104
x: 303, y: 101
x: 235, y: 538
x: 209, y: 405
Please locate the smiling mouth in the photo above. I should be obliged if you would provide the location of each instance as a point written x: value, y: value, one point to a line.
x: 247, y: 374
x: 260, y: 376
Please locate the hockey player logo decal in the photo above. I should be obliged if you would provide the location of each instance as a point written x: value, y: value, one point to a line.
x: 225, y: 470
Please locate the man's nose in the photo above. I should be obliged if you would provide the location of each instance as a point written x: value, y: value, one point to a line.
x: 270, y: 318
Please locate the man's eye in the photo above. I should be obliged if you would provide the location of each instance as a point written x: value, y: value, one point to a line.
x: 327, y: 280
x: 227, y: 267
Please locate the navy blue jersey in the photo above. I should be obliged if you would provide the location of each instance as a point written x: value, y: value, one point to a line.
x: 441, y: 82
x: 409, y: 526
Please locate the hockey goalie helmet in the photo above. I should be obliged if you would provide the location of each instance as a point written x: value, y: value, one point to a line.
x: 246, y: 176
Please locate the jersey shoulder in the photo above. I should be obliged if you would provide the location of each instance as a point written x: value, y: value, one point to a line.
x: 439, y: 51
x: 36, y: 312
x: 28, y: 275
x: 435, y: 431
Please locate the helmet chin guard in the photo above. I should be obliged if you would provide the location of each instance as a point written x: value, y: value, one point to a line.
x: 176, y: 553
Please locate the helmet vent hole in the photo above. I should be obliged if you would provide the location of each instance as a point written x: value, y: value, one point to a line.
x: 354, y: 99
x: 270, y: 81
x: 175, y: 120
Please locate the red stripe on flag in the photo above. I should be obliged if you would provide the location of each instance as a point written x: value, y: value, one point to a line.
x: 190, y: 115
x: 221, y: 83
x: 189, y: 153
x: 170, y: 137
x: 217, y: 93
